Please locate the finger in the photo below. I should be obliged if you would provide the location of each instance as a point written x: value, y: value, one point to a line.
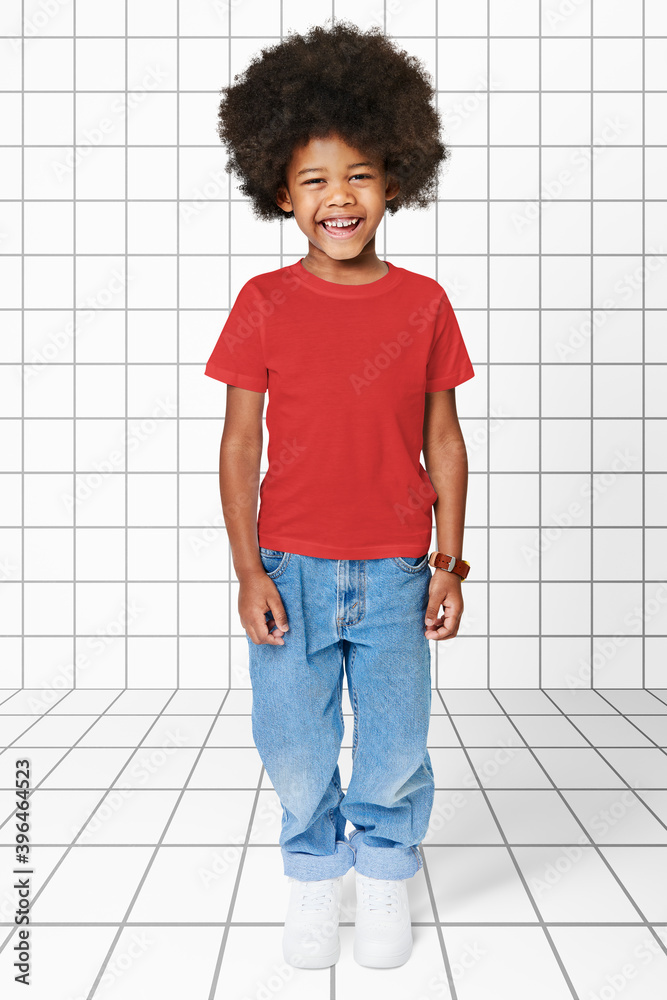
x: 260, y: 635
x: 443, y: 627
x: 278, y: 611
x: 440, y: 635
x: 271, y: 625
x: 432, y: 612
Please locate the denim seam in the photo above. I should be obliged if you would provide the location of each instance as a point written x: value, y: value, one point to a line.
x: 281, y: 567
x: 355, y: 706
x: 340, y: 695
x: 361, y: 599
x: 407, y: 567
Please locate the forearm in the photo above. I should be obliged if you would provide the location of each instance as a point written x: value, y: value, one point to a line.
x: 239, y: 489
x: 447, y: 466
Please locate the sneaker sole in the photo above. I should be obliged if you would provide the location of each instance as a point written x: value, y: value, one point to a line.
x: 314, y: 961
x: 373, y: 958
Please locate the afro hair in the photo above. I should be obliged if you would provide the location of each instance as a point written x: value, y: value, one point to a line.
x: 339, y: 81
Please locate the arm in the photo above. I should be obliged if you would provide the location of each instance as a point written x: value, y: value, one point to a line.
x: 446, y: 461
x: 240, y: 458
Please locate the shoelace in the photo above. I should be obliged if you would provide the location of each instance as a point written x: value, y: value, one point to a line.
x: 316, y: 895
x: 381, y: 894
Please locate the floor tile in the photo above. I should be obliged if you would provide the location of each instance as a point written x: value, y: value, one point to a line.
x: 525, y: 701
x: 178, y: 731
x: 534, y: 817
x: 571, y: 883
x: 56, y: 816
x: 629, y: 701
x: 507, y: 767
x: 231, y: 731
x: 577, y: 767
x: 616, y: 817
x: 641, y: 768
x: 86, y: 767
x: 65, y: 963
x: 129, y: 816
x: 469, y: 701
x: 160, y: 767
x: 213, y: 816
x: 164, y: 962
x: 611, y: 731
x: 486, y: 730
x: 580, y: 701
x: 478, y: 884
x: 253, y: 967
x: 142, y: 701
x: 221, y: 768
x: 93, y: 884
x: 643, y: 872
x: 653, y: 726
x: 613, y: 962
x: 548, y: 731
x: 423, y: 975
x: 498, y: 962
x: 461, y: 816
x: 188, y: 884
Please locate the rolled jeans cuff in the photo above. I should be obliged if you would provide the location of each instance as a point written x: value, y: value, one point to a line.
x: 312, y: 867
x: 384, y: 862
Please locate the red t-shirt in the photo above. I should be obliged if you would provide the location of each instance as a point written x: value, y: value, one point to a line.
x: 346, y: 368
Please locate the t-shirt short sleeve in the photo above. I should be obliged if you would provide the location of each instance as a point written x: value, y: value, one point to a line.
x: 238, y: 356
x: 448, y: 364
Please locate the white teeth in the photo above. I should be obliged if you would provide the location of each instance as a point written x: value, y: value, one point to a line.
x: 339, y: 224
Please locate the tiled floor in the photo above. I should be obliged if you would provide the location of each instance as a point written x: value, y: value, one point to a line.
x: 157, y: 871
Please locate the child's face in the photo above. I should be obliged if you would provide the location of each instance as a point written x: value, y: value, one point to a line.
x: 344, y: 183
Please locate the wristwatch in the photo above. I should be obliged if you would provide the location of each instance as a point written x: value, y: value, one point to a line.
x: 439, y: 560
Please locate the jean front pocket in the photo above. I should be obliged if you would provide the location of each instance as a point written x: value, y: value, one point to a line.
x: 411, y: 564
x: 273, y: 560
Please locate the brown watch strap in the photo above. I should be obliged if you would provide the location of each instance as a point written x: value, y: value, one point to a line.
x: 440, y: 560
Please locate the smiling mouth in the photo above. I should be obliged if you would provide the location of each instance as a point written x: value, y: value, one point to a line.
x: 340, y: 232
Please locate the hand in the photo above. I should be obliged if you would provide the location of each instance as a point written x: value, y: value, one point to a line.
x: 444, y: 589
x: 257, y: 595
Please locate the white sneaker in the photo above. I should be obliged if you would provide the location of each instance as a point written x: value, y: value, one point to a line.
x: 310, y: 937
x: 383, y: 928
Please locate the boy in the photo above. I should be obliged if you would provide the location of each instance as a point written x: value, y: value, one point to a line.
x: 360, y: 359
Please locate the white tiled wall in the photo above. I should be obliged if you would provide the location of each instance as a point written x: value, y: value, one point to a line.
x: 122, y: 246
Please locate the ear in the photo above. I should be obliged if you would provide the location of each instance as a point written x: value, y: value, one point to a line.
x: 283, y: 199
x: 392, y: 187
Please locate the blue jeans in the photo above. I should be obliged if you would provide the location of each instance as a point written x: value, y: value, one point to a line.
x: 365, y: 616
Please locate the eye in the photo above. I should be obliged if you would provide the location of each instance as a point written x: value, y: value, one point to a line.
x: 316, y: 180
